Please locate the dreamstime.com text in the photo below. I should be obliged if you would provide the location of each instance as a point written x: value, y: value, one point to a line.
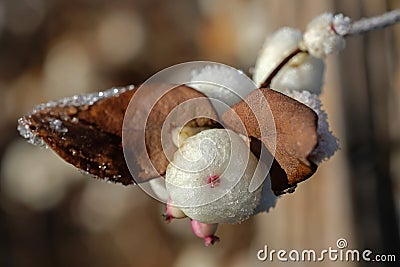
x: 339, y: 253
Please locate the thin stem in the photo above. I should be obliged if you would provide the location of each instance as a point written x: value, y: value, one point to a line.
x: 267, y: 82
x: 374, y: 23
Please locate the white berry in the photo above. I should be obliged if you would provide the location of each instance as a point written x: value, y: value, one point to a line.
x: 210, y: 176
x: 302, y: 72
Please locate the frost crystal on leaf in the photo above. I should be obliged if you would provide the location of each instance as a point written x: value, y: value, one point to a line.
x: 57, y: 126
x: 74, y: 101
x: 26, y: 132
x: 84, y: 99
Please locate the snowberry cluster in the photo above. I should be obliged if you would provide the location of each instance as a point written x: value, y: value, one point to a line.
x: 209, y: 177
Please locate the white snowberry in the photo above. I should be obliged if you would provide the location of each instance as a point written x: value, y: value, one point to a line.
x: 172, y: 212
x: 205, y: 231
x: 302, y: 72
x: 210, y: 175
x: 222, y: 82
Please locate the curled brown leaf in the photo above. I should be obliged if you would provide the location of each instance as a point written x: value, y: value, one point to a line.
x: 286, y: 127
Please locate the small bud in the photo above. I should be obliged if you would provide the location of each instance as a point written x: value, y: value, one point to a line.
x: 325, y: 34
x: 205, y: 231
x: 173, y: 212
x: 341, y: 24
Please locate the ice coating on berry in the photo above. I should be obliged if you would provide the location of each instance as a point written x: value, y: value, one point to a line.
x: 222, y: 82
x: 211, y: 153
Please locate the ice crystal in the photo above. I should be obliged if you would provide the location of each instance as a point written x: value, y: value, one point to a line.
x: 79, y: 101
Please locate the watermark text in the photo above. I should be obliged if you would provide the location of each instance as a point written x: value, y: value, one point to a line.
x: 338, y: 253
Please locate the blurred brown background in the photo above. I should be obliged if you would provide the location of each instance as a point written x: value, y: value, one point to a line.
x: 51, y: 215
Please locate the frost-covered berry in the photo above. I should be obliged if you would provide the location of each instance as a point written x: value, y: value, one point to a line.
x: 325, y: 34
x: 210, y: 175
x: 302, y: 72
x: 173, y: 212
x: 205, y: 231
x: 222, y: 82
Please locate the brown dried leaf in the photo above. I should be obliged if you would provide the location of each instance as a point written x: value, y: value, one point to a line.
x: 167, y: 112
x: 296, y: 133
x: 89, y: 136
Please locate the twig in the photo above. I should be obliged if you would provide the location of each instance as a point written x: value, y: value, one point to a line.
x: 267, y: 82
x: 374, y: 23
x: 357, y: 27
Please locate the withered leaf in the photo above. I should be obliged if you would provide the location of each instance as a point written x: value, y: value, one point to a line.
x: 86, y: 131
x: 176, y: 108
x: 283, y: 124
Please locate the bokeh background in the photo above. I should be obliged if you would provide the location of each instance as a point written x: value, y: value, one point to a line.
x: 51, y: 215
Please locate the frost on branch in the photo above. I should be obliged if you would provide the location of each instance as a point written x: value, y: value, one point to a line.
x: 325, y: 34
